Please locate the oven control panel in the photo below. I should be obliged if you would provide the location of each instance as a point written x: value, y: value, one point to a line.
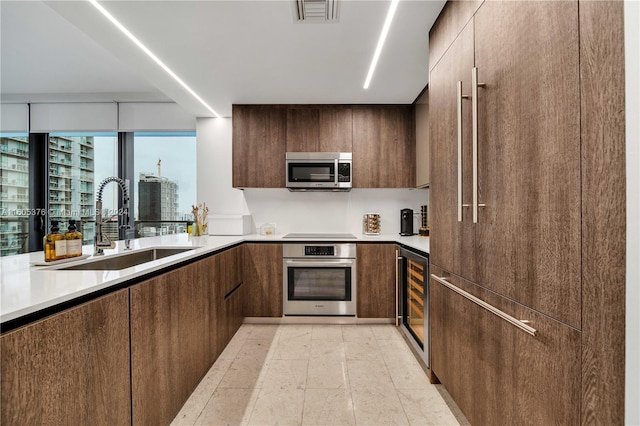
x: 319, y: 250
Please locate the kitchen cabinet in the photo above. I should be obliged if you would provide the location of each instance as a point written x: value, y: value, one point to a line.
x: 303, y: 129
x: 547, y: 242
x: 227, y: 311
x: 524, y: 379
x: 452, y: 237
x: 336, y: 129
x: 69, y: 368
x: 602, y: 95
x: 421, y: 112
x: 528, y: 235
x: 259, y: 141
x: 381, y: 138
x: 453, y: 17
x: 376, y: 280
x: 262, y: 276
x: 170, y: 347
x: 383, y: 146
x: 319, y: 128
x: 524, y: 242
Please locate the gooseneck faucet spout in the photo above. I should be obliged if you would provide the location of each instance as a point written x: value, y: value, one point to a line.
x: 101, y: 241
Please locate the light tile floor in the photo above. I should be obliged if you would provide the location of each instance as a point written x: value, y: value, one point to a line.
x: 318, y: 375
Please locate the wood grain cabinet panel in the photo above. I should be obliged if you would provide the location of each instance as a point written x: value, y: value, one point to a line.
x: 383, y: 146
x: 452, y: 241
x: 528, y: 235
x: 70, y: 368
x: 497, y: 373
x: 262, y: 273
x: 421, y: 111
x: 602, y: 79
x: 227, y: 297
x: 376, y: 280
x: 303, y: 129
x: 319, y: 128
x: 452, y: 19
x: 526, y: 242
x: 336, y: 129
x: 170, y: 350
x: 259, y: 141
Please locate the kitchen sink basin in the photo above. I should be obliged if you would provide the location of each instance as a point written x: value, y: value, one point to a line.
x: 128, y: 260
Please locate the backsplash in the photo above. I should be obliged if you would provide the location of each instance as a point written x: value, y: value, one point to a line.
x: 332, y: 211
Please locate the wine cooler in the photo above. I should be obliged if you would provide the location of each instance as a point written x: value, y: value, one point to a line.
x: 413, y: 277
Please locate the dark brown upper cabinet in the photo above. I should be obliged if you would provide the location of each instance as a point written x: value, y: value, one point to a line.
x: 259, y: 133
x: 384, y: 146
x: 316, y: 128
x: 381, y: 138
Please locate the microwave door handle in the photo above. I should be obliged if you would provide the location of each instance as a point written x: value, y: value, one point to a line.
x: 335, y: 172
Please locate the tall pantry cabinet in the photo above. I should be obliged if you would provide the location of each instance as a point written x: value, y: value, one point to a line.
x: 511, y: 209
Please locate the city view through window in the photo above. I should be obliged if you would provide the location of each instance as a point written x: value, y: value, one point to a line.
x: 14, y: 193
x: 164, y: 185
x: 165, y: 169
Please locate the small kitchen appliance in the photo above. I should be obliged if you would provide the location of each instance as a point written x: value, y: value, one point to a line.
x: 406, y: 222
x: 318, y: 171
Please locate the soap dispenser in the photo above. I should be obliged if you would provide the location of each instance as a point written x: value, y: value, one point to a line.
x: 55, y: 246
x: 74, y: 240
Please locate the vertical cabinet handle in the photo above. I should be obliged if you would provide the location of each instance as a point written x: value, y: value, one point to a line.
x: 398, y: 259
x: 474, y: 108
x: 460, y: 96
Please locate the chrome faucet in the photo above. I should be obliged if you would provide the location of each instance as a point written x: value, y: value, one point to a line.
x: 101, y: 241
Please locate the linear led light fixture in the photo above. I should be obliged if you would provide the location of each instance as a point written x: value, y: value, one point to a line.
x: 149, y: 53
x: 383, y: 36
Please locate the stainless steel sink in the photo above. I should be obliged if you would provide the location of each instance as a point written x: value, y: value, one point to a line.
x: 128, y: 260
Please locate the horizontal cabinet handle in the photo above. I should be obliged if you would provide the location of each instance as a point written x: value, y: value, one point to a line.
x: 521, y: 324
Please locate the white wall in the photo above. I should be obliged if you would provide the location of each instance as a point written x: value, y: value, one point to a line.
x: 632, y: 77
x: 213, y: 148
x: 290, y: 211
x: 332, y: 212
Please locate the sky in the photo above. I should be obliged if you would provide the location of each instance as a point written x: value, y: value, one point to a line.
x: 178, y: 155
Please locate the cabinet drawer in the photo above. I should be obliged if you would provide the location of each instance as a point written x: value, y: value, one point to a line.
x: 497, y: 373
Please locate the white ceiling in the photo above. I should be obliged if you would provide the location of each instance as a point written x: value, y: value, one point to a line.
x: 227, y: 51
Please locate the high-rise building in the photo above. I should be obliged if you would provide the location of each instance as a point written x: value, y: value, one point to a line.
x: 14, y: 195
x: 71, y: 188
x: 158, y: 198
x: 71, y: 182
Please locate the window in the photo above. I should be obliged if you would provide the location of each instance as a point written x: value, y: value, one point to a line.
x: 77, y: 165
x: 165, y: 187
x: 14, y: 193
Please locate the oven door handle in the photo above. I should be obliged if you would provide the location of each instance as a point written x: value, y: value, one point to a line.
x: 320, y: 263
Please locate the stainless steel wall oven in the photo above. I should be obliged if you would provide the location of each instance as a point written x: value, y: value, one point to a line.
x: 319, y: 279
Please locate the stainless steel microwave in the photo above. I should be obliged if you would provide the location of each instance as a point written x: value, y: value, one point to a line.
x: 319, y: 171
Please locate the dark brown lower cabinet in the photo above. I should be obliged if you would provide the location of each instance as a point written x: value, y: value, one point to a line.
x: 228, y: 298
x: 376, y: 280
x: 262, y: 276
x: 169, y: 343
x: 497, y: 373
x: 71, y: 368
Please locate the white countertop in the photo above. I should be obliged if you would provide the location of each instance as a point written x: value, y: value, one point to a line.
x: 25, y: 289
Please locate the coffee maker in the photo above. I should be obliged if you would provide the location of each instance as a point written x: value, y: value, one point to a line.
x: 406, y: 222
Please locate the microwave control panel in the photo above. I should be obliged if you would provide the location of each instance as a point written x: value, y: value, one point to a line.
x: 344, y: 172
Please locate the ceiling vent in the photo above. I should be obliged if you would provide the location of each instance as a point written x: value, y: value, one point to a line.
x: 315, y: 10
